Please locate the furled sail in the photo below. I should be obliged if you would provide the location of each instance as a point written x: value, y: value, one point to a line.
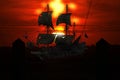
x: 45, y: 38
x: 46, y: 19
x: 64, y: 18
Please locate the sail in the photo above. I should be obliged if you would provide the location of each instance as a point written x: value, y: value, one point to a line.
x: 45, y: 38
x: 64, y: 18
x: 45, y: 19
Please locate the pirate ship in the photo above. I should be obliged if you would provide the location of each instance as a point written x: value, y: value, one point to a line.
x: 65, y: 43
x: 45, y: 18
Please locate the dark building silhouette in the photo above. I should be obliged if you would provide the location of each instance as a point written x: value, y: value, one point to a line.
x: 18, y: 59
x: 102, y: 51
x: 102, y: 44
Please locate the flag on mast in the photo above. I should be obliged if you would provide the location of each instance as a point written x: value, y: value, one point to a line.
x: 86, y: 36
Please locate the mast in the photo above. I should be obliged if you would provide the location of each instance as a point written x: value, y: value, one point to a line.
x: 48, y: 12
x: 64, y: 18
x: 47, y: 26
x: 66, y: 8
x: 66, y: 26
x: 45, y: 19
x: 48, y: 9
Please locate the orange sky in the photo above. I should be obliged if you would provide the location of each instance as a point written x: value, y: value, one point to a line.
x: 17, y: 17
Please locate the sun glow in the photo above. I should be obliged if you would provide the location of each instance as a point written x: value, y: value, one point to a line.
x: 72, y: 6
x: 59, y: 28
x: 43, y: 4
x: 59, y: 33
x: 76, y: 20
x: 57, y: 7
x: 38, y: 11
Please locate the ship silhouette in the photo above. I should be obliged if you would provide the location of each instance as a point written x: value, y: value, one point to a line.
x: 65, y: 44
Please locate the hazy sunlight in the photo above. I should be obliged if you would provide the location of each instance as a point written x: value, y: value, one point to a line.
x: 57, y: 7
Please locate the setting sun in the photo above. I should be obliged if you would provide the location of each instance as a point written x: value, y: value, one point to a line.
x: 59, y: 28
x: 57, y: 7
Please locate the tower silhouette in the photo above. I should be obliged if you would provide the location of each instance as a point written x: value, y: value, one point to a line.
x: 18, y: 58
